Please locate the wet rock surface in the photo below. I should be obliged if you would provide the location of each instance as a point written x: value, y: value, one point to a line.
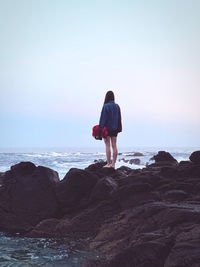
x: 144, y: 217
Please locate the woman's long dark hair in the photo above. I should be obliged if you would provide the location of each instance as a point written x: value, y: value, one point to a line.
x: 109, y: 97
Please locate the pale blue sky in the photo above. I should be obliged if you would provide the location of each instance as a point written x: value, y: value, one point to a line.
x: 58, y: 59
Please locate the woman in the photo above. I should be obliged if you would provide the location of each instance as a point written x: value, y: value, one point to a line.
x: 111, y: 118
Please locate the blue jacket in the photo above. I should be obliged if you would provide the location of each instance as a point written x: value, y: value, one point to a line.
x: 110, y: 116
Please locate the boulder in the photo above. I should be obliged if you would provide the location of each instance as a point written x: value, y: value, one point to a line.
x: 136, y: 154
x: 185, y: 163
x: 98, y: 170
x: 27, y: 196
x: 164, y: 156
x: 99, y: 161
x: 124, y: 160
x: 195, y: 157
x: 75, y: 186
x: 134, y: 161
x: 103, y: 189
x: 145, y: 217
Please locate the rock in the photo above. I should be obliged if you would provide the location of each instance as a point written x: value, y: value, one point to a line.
x: 98, y: 170
x: 2, y: 175
x: 134, y: 195
x: 84, y: 224
x: 96, y: 166
x: 185, y: 251
x: 23, y: 168
x: 145, y: 217
x: 195, y: 157
x: 185, y: 163
x: 175, y: 195
x: 163, y: 156
x: 123, y: 171
x: 136, y: 154
x: 103, y: 189
x: 93, y: 263
x: 191, y: 170
x: 124, y: 160
x: 154, y: 180
x: 75, y: 186
x: 169, y: 171
x: 147, y: 254
x: 45, y: 228
x: 99, y: 161
x: 27, y: 196
x: 134, y: 161
x: 145, y: 236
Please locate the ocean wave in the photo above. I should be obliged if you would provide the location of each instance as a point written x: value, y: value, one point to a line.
x: 63, y: 161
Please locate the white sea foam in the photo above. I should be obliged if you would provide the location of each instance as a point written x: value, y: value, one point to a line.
x: 62, y: 161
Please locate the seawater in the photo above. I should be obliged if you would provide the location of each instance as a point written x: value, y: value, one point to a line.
x: 19, y: 251
x: 62, y: 160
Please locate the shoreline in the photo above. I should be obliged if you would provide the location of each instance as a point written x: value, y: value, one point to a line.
x: 123, y: 211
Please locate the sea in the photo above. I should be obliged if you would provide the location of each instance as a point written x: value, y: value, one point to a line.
x: 21, y: 251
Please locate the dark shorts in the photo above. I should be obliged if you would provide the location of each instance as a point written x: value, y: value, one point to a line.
x: 113, y: 133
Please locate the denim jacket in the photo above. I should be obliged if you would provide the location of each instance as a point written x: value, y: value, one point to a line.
x: 110, y: 116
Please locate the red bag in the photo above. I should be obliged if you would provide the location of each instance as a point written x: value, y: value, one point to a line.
x: 96, y: 133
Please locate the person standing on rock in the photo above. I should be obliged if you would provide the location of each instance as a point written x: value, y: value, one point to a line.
x: 111, y: 118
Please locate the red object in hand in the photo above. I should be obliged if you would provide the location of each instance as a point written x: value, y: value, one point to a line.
x: 96, y: 133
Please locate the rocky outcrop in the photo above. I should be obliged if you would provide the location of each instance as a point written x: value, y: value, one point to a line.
x: 131, y: 161
x: 76, y: 187
x: 195, y: 157
x: 163, y: 158
x: 134, y: 161
x: 27, y: 196
x: 104, y: 189
x: 147, y: 217
x: 136, y: 154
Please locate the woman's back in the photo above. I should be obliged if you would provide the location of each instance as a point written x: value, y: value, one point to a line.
x: 110, y: 116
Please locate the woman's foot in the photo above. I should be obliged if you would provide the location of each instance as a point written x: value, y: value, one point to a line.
x: 112, y: 166
x: 107, y: 166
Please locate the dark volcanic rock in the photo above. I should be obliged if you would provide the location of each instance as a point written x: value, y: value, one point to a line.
x: 175, y: 194
x: 76, y: 185
x: 1, y: 178
x: 103, y: 189
x: 27, y: 196
x: 134, y: 161
x: 146, y: 254
x: 136, y: 154
x: 84, y: 224
x: 145, y: 236
x: 99, y: 170
x: 195, y: 157
x: 185, y: 251
x: 147, y: 217
x: 164, y: 156
x: 124, y: 170
x: 185, y: 163
x: 163, y: 159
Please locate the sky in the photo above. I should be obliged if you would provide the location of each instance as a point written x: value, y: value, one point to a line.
x: 59, y: 58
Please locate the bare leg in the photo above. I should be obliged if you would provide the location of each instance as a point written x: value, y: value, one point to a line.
x: 114, y: 147
x: 108, y: 152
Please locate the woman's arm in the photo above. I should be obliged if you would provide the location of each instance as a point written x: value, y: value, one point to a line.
x: 103, y: 118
